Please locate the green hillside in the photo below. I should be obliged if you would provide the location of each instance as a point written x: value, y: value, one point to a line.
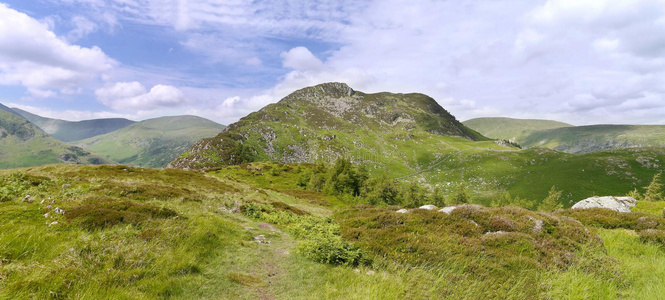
x: 583, y: 139
x: 399, y: 132
x: 514, y: 130
x: 67, y: 131
x: 567, y: 138
x: 152, y: 143
x: 72, y: 232
x: 22, y: 144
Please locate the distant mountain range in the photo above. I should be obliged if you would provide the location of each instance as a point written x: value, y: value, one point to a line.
x: 568, y: 138
x: 152, y: 143
x: 68, y: 131
x: 26, y: 141
x: 22, y: 144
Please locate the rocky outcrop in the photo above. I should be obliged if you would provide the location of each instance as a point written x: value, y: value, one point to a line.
x: 620, y: 204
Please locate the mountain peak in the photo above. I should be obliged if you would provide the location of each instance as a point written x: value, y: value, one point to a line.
x: 323, y: 90
x: 331, y: 120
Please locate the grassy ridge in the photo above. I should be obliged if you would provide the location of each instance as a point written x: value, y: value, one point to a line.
x: 567, y: 138
x: 514, y: 130
x: 151, y: 143
x: 583, y: 139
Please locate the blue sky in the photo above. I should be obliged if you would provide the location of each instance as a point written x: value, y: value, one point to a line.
x: 583, y: 62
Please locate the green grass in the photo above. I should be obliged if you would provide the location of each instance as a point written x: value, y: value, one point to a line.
x: 134, y: 233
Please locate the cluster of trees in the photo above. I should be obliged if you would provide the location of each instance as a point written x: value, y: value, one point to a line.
x: 352, y: 182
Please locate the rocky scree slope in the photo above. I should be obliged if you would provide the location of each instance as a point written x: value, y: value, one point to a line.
x: 331, y: 120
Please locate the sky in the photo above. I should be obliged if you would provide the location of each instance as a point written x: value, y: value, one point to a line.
x: 578, y: 61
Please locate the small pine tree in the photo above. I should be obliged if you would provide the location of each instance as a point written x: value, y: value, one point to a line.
x: 635, y: 194
x: 503, y: 199
x: 654, y: 192
x: 437, y: 197
x: 551, y: 203
x: 462, y: 195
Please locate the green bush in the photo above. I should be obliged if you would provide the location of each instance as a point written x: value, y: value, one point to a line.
x: 330, y: 250
x: 321, y: 236
x: 653, y: 236
x: 609, y: 219
x: 103, y: 213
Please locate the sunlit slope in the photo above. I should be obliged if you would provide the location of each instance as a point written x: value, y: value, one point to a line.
x: 153, y: 142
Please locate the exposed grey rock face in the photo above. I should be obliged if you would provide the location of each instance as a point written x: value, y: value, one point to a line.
x: 620, y: 204
x: 402, y: 211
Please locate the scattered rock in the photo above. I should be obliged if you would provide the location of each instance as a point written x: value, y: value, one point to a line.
x: 428, y: 207
x: 59, y: 210
x: 266, y: 226
x: 53, y: 223
x: 403, y: 211
x: 448, y: 209
x: 371, y: 272
x: 261, y: 239
x: 494, y: 232
x: 620, y: 204
x: 249, y: 228
x: 66, y: 185
x: 537, y: 226
x: 27, y: 199
x: 46, y: 215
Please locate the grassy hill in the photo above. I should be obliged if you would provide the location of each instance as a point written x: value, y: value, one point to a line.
x: 567, y: 138
x: 67, y: 131
x: 22, y: 144
x: 152, y: 143
x: 132, y: 233
x: 400, y: 132
x: 514, y: 130
x: 583, y: 139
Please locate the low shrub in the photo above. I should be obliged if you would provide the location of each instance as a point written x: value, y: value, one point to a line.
x: 653, y: 236
x: 484, y: 240
x: 321, y: 240
x: 101, y: 213
x: 609, y: 219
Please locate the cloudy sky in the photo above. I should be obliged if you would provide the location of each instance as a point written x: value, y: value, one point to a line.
x: 579, y: 61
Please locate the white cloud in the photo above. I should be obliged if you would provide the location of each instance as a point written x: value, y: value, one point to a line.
x: 134, y: 96
x: 301, y: 59
x: 34, y: 57
x: 70, y: 115
x: 82, y: 27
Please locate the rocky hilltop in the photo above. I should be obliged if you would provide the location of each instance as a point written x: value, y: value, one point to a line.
x: 330, y: 120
